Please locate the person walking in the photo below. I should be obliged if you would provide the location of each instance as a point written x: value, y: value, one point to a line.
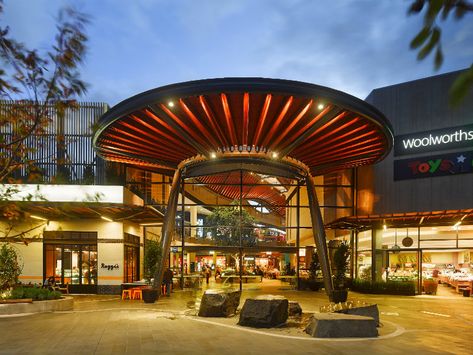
x: 167, y: 281
x: 207, y: 273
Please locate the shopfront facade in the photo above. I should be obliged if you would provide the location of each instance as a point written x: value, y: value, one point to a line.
x: 407, y: 217
x: 415, y: 208
x: 92, y: 256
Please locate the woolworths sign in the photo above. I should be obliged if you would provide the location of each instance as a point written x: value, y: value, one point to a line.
x: 439, y: 139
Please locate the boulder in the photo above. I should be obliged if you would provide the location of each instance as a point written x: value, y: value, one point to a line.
x: 219, y: 303
x: 367, y: 311
x: 265, y: 311
x: 294, y: 309
x: 337, y: 325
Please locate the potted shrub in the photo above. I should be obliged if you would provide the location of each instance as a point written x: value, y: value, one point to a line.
x: 151, y: 261
x: 430, y: 286
x: 313, y: 282
x: 340, y: 261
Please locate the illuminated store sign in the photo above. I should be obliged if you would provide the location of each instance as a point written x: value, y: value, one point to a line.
x: 439, y: 165
x: 439, y: 139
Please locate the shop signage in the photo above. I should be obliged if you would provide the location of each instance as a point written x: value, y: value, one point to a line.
x: 431, y: 141
x: 109, y: 267
x: 438, y: 165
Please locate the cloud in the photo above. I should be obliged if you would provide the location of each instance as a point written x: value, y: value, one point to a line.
x: 352, y: 45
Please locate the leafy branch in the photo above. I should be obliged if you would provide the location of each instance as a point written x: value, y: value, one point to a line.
x: 428, y: 39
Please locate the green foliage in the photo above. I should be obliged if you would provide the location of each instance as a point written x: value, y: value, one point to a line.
x: 10, y: 268
x: 36, y: 293
x: 152, y: 258
x: 226, y: 224
x: 365, y: 273
x: 428, y: 39
x: 35, y: 86
x: 406, y: 288
x: 314, y: 267
x: 340, y: 261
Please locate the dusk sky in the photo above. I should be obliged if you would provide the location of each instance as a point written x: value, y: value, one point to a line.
x: 350, y: 45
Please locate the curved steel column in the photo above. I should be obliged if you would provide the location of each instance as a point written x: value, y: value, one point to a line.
x: 168, y: 228
x: 319, y: 235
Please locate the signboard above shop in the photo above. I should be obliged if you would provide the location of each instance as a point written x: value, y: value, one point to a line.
x: 437, y: 165
x: 435, y: 140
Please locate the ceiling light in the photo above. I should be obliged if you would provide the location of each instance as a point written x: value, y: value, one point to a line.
x: 38, y: 217
x: 320, y: 106
x: 385, y: 227
x: 274, y: 155
x: 456, y: 225
x: 106, y: 219
x: 213, y: 155
x: 171, y: 104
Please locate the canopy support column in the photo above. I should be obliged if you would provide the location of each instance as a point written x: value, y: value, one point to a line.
x: 319, y: 235
x: 168, y: 228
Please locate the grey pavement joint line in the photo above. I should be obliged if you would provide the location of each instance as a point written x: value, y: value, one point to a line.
x: 399, y: 331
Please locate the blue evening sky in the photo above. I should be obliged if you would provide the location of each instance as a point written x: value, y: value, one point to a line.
x: 350, y: 45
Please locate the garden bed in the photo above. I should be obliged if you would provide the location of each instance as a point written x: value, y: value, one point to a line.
x: 62, y: 304
x: 404, y: 288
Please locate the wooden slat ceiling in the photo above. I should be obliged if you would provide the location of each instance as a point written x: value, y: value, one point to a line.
x: 323, y: 128
x: 227, y: 185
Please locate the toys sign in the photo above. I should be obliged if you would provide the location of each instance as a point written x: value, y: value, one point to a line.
x: 441, y: 165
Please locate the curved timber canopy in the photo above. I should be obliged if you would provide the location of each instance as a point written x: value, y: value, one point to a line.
x: 266, y: 127
x: 322, y: 128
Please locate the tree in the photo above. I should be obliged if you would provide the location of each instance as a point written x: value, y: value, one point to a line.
x: 152, y: 259
x: 34, y: 86
x: 340, y: 262
x: 429, y: 38
x: 226, y: 224
x: 10, y: 267
x: 37, y: 85
x: 314, y: 267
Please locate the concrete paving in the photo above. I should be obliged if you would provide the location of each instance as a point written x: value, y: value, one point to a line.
x: 441, y: 324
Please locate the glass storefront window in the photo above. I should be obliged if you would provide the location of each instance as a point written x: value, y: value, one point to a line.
x: 364, y: 240
x: 404, y: 238
x: 465, y: 236
x: 364, y: 265
x: 438, y: 237
x: 71, y: 264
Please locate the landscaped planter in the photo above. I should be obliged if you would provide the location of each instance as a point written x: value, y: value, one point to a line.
x: 62, y: 304
x: 339, y: 296
x: 430, y: 286
x: 150, y: 295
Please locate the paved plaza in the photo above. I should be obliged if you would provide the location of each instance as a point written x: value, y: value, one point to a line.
x: 441, y: 324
